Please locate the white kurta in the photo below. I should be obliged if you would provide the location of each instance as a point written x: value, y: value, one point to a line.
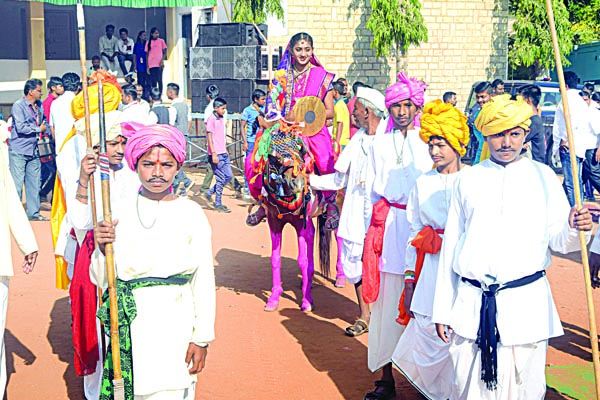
x: 136, y: 112
x: 394, y: 181
x: 420, y: 354
x: 351, y: 172
x: 161, y: 239
x: 493, y: 237
x: 394, y: 163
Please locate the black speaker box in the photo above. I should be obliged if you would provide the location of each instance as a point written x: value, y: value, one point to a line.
x: 237, y: 92
x: 230, y: 34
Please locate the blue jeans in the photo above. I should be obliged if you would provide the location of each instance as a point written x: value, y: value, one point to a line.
x: 26, y: 170
x: 565, y: 160
x: 180, y: 178
x: 223, y: 175
x: 125, y: 57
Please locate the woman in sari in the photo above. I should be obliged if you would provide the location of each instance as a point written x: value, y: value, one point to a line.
x: 305, y: 77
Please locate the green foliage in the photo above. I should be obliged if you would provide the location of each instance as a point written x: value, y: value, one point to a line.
x: 396, y: 24
x: 585, y: 17
x: 257, y: 11
x: 532, y: 41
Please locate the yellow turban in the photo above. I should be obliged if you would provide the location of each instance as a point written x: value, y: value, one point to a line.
x: 502, y: 113
x: 112, y: 120
x: 446, y: 121
x: 112, y: 99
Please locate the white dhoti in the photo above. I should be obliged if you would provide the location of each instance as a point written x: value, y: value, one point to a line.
x: 182, y: 394
x: 92, y: 383
x: 384, y: 331
x: 424, y: 359
x: 352, y: 260
x: 521, y: 371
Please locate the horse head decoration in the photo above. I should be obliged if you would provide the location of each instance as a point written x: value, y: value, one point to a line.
x: 283, y: 162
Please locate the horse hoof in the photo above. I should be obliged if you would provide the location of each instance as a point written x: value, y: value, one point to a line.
x: 306, y: 306
x: 340, y: 282
x: 270, y: 307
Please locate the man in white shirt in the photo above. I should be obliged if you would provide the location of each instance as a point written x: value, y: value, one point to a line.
x: 491, y: 289
x: 132, y: 110
x: 396, y: 159
x: 125, y: 48
x: 109, y: 47
x: 170, y: 295
x: 585, y: 134
x: 351, y: 170
x: 12, y: 219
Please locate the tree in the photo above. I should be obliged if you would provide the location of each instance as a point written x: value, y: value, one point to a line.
x: 257, y: 11
x: 585, y: 17
x: 396, y: 24
x: 531, y: 46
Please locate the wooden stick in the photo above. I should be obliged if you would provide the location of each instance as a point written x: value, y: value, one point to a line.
x: 88, y: 137
x: 119, y: 389
x: 578, y: 200
x: 86, y: 102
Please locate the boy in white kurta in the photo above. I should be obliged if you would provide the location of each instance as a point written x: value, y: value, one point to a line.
x: 164, y: 267
x: 421, y: 356
x: 493, y: 242
x: 351, y: 171
x: 396, y: 159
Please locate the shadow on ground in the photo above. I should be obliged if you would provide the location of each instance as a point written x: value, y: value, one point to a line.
x: 14, y: 347
x: 61, y: 339
x: 249, y: 273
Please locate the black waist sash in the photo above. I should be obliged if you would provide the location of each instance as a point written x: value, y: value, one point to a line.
x: 488, y: 335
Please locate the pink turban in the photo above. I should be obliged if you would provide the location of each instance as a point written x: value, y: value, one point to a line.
x: 405, y: 88
x: 141, y: 138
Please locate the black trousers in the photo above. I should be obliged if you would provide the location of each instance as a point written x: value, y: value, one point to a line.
x: 156, y: 78
x: 591, y: 169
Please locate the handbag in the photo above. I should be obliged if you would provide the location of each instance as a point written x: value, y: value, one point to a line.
x: 45, y: 146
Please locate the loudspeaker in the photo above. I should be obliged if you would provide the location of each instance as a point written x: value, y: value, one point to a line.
x: 237, y: 92
x: 230, y: 34
x: 232, y: 62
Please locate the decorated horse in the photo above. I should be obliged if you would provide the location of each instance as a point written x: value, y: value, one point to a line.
x: 282, y: 162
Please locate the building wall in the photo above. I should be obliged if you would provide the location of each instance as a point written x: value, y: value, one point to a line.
x: 467, y: 43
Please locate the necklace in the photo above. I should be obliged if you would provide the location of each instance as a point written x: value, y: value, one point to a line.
x: 297, y: 74
x: 137, y: 209
x: 399, y: 156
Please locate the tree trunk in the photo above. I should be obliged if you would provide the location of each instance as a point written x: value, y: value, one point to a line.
x: 401, y: 59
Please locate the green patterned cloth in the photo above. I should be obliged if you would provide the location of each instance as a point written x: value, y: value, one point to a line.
x: 127, y: 312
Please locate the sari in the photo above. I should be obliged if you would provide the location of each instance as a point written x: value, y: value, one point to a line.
x: 316, y: 81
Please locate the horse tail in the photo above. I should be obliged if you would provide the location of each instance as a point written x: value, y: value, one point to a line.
x: 324, y: 245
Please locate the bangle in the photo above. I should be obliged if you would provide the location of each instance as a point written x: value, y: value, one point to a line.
x: 79, y: 183
x: 409, y: 276
x: 81, y: 196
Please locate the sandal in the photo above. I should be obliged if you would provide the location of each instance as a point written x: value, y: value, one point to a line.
x: 359, y: 327
x: 257, y: 217
x: 384, y: 390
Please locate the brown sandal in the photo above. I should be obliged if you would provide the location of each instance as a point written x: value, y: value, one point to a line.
x: 359, y: 327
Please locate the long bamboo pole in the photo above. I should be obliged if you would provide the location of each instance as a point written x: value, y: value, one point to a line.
x: 88, y: 134
x: 578, y: 201
x: 118, y: 384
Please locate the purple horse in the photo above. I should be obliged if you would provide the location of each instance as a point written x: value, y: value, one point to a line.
x: 289, y: 201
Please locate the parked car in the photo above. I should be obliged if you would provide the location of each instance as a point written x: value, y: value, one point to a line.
x: 549, y: 102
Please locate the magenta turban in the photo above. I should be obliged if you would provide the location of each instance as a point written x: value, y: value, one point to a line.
x: 405, y: 88
x: 141, y: 138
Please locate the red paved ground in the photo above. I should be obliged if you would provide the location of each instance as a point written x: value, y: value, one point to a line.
x: 257, y: 355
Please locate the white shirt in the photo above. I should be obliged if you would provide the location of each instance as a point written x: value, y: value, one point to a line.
x: 61, y: 118
x: 393, y: 180
x: 126, y: 47
x: 209, y: 110
x: 12, y: 218
x: 351, y: 168
x: 160, y: 239
x: 585, y: 129
x: 136, y: 112
x: 492, y: 236
x: 428, y: 204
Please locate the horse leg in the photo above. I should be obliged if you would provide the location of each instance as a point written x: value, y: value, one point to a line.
x: 277, y: 289
x: 340, y: 277
x: 306, y: 237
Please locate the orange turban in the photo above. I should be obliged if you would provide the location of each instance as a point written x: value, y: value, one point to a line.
x: 446, y: 121
x: 112, y: 99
